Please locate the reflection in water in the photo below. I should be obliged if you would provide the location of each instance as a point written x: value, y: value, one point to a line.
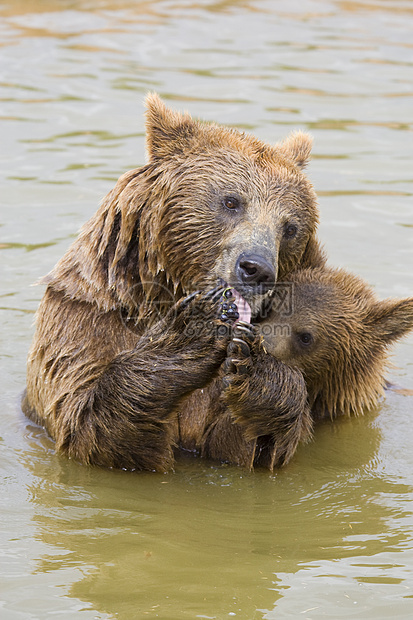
x: 334, y: 530
x: 215, y: 540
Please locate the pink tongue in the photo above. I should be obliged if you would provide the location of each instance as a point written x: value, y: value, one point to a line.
x: 244, y: 310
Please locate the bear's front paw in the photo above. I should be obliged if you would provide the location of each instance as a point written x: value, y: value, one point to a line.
x: 206, y: 315
x: 238, y: 363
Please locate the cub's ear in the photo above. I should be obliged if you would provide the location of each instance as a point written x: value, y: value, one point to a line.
x: 297, y: 147
x: 391, y: 319
x: 167, y: 132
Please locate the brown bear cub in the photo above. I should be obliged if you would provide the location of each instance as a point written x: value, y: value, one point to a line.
x: 325, y: 325
x: 212, y: 207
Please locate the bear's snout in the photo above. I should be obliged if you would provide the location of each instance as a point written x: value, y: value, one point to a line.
x: 254, y: 271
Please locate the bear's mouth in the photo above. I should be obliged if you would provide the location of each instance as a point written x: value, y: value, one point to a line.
x: 255, y: 309
x: 244, y: 309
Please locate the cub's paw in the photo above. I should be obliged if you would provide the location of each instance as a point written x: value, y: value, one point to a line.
x: 238, y: 364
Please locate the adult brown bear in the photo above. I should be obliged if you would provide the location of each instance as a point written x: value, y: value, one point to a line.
x: 212, y: 206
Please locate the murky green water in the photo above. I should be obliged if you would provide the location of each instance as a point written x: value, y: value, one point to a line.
x: 331, y: 535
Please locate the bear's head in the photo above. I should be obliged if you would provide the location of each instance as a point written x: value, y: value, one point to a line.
x: 329, y: 324
x: 213, y: 206
x: 226, y: 207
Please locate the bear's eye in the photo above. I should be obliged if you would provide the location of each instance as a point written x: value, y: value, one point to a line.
x: 290, y: 231
x: 305, y: 339
x: 231, y: 203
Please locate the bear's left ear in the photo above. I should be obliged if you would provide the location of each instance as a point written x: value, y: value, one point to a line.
x: 297, y: 147
x: 167, y: 132
x: 390, y: 319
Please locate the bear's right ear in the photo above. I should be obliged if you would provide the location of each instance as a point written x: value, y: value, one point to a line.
x: 167, y: 132
x: 391, y: 319
x: 297, y: 147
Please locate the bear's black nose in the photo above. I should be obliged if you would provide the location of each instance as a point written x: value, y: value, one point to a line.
x: 255, y: 271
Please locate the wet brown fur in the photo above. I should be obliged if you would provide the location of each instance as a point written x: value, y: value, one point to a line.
x: 102, y: 378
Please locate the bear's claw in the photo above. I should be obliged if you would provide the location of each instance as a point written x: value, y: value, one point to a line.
x: 245, y: 331
x: 238, y: 363
x: 238, y: 346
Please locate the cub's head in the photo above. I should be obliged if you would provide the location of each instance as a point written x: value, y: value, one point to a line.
x: 225, y: 207
x: 329, y: 324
